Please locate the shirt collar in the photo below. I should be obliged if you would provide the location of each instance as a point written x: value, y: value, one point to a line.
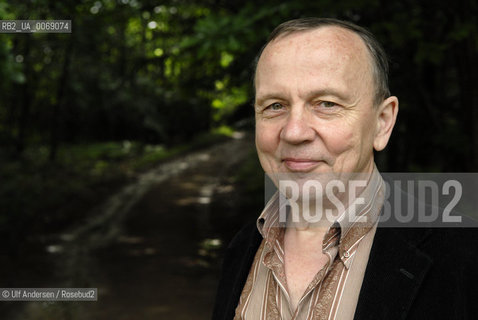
x: 349, y: 227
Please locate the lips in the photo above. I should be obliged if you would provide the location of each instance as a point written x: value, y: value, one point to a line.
x: 300, y: 165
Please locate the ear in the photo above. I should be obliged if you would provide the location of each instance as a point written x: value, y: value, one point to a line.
x: 386, y: 116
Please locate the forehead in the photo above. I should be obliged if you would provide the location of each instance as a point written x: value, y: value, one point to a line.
x: 333, y: 37
x: 329, y: 49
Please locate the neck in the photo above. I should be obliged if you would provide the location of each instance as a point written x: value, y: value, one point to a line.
x: 317, y: 212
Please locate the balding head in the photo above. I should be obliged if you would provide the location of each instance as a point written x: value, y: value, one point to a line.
x: 376, y: 54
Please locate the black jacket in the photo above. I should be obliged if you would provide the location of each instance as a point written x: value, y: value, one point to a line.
x: 411, y: 274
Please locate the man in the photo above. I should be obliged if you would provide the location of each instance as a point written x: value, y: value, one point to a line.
x: 322, y: 106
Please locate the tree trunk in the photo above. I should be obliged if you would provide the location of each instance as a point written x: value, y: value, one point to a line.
x: 58, y: 106
x: 467, y: 61
x: 25, y: 101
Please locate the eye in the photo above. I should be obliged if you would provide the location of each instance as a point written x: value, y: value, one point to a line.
x: 274, y: 109
x: 328, y: 104
x: 326, y: 107
x: 276, y: 106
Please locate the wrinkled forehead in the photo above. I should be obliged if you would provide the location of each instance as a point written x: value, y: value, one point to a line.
x: 345, y: 46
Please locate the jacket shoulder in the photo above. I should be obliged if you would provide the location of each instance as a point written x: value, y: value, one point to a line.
x: 235, y: 269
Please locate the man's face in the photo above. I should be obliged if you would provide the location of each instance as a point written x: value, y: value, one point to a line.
x: 314, y: 104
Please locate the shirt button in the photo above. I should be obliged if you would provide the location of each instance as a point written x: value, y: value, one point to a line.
x: 346, y: 254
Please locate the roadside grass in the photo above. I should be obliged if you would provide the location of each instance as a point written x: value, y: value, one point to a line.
x: 39, y: 197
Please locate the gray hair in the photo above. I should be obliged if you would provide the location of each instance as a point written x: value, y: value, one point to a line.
x: 377, y: 53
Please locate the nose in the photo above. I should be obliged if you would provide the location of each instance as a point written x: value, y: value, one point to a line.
x: 297, y: 128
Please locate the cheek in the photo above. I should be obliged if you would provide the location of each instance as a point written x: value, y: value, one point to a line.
x: 349, y: 136
x: 339, y: 139
x: 267, y: 138
x: 267, y: 142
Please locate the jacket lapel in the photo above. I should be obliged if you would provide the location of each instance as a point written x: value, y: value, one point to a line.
x: 395, y: 271
x: 241, y: 255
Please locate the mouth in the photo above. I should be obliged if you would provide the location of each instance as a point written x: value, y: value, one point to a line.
x: 300, y: 165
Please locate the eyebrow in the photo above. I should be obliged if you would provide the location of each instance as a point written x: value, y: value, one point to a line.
x: 309, y: 95
x: 259, y: 100
x: 328, y: 92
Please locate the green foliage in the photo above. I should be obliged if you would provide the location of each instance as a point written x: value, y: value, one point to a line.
x: 151, y: 77
x: 39, y: 196
x: 227, y: 101
x: 223, y: 130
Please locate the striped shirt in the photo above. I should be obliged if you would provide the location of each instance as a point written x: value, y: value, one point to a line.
x: 333, y: 292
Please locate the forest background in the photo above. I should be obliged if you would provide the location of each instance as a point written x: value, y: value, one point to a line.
x: 139, y: 82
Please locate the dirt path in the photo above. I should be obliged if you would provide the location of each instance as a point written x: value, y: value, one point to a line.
x: 150, y: 249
